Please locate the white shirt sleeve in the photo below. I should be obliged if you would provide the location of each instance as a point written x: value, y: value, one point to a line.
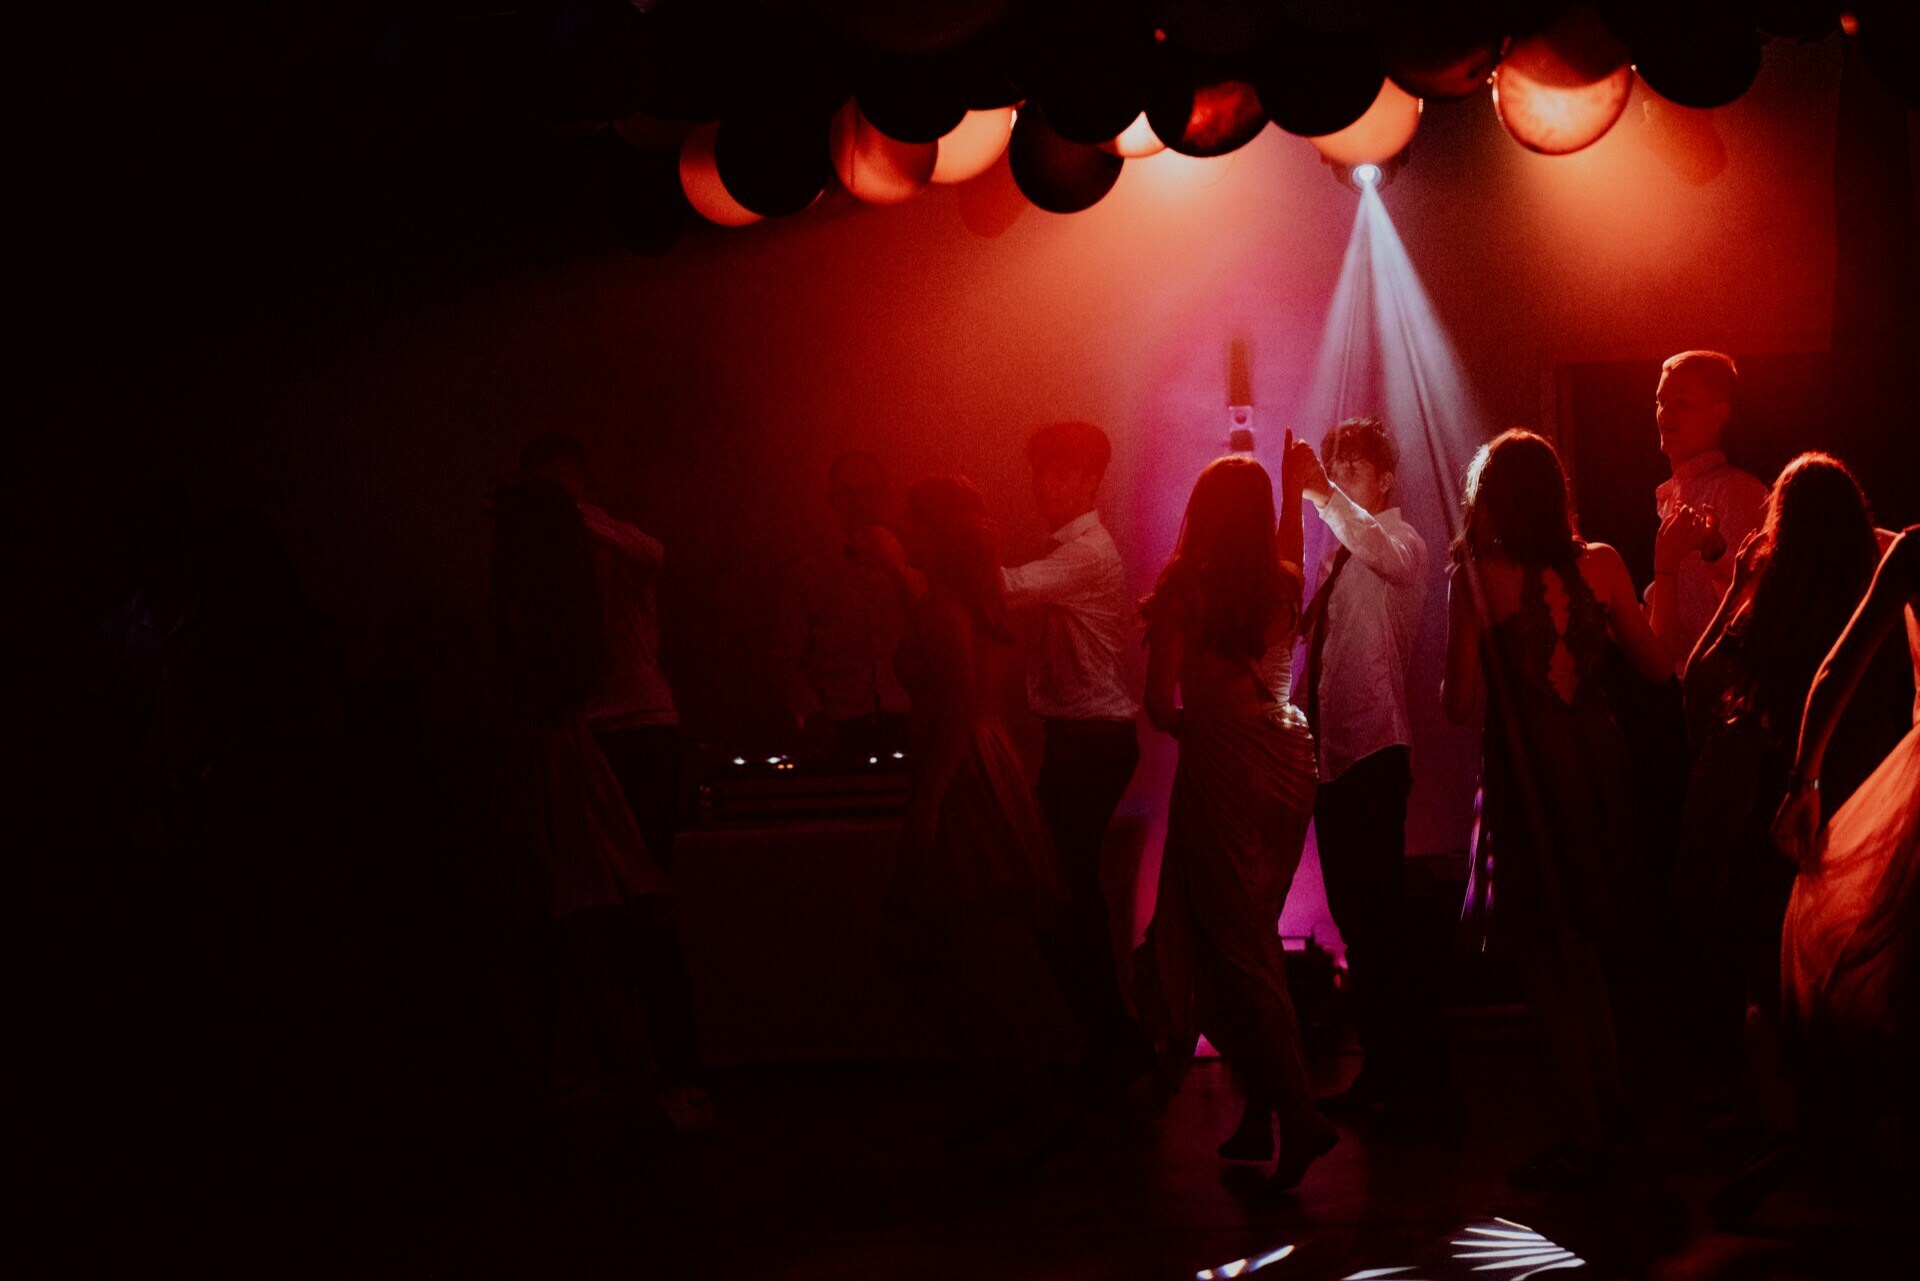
x: 1059, y: 576
x: 1390, y: 554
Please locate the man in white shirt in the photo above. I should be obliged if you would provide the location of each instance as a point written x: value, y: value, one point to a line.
x: 1691, y: 405
x: 637, y: 726
x: 1360, y: 629
x: 1077, y: 685
x: 840, y: 620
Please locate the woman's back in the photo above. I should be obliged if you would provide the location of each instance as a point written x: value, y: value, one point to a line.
x: 949, y: 662
x: 1211, y: 680
x: 1549, y: 628
x: 1559, y: 800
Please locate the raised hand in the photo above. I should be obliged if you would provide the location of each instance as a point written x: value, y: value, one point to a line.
x: 1685, y: 531
x: 1301, y: 472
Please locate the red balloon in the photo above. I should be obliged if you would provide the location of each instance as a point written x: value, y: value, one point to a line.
x: 875, y: 168
x: 1557, y: 121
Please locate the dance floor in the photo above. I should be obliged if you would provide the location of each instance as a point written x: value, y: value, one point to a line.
x: 830, y: 1173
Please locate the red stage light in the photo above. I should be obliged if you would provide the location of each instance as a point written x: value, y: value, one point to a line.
x: 700, y: 179
x: 1556, y: 121
x: 1382, y: 133
x: 874, y: 167
x: 972, y: 146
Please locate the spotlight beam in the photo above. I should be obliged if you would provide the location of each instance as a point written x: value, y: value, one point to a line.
x: 1423, y: 381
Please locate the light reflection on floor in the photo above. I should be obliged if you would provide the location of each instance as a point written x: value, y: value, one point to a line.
x: 1512, y: 1251
x: 1240, y: 1267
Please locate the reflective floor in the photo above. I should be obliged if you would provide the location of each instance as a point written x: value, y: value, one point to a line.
x: 831, y: 1173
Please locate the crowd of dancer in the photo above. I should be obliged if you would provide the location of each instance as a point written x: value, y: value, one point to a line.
x: 1795, y: 878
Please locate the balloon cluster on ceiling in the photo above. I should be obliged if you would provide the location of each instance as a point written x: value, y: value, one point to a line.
x: 739, y: 110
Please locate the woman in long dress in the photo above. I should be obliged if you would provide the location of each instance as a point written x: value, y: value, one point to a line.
x: 1850, y: 953
x: 1533, y: 613
x: 1797, y: 581
x: 1242, y: 793
x: 976, y: 879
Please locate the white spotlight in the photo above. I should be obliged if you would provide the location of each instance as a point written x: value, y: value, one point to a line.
x: 1365, y: 176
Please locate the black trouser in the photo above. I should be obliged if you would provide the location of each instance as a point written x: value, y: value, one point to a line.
x: 1084, y: 771
x: 647, y: 763
x: 1360, y: 827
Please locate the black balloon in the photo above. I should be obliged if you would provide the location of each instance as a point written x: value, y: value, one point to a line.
x: 1204, y: 111
x: 1095, y: 91
x: 1699, y: 64
x: 1313, y: 83
x: 1442, y: 60
x: 774, y: 162
x: 1056, y: 173
x: 912, y: 101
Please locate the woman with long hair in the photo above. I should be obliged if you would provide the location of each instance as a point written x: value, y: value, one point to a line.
x: 578, y: 867
x: 1221, y: 622
x: 1533, y: 615
x: 976, y: 879
x: 1851, y: 948
x: 1797, y: 580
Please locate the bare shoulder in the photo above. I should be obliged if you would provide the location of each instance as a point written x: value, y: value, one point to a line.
x: 1604, y: 570
x: 1603, y: 557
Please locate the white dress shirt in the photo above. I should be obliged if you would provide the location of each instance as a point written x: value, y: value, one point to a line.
x: 634, y: 690
x: 1739, y: 498
x: 1371, y: 621
x: 1086, y: 622
x: 840, y: 620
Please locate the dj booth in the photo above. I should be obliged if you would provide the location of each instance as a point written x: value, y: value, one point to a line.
x: 781, y: 922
